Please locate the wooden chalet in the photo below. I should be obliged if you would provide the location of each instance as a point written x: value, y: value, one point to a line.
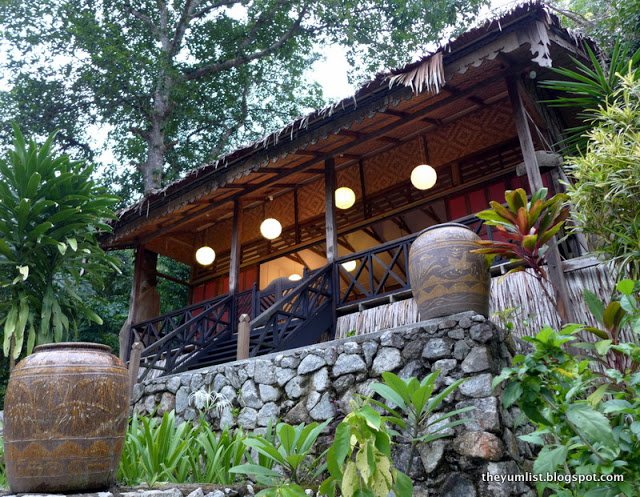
x: 470, y: 110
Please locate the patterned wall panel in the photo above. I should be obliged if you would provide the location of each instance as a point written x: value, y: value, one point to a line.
x: 350, y: 177
x: 478, y: 130
x: 392, y: 166
x: 311, y: 199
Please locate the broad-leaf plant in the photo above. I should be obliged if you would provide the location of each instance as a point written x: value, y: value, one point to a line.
x: 50, y: 214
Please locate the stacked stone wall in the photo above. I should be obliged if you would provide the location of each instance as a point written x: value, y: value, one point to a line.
x: 319, y: 382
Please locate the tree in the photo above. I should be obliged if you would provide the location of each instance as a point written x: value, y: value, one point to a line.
x: 50, y: 214
x: 180, y: 82
x: 607, y: 22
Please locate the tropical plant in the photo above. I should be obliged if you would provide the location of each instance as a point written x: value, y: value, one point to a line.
x: 587, y: 420
x: 415, y: 409
x: 359, y: 459
x: 293, y: 451
x: 212, y: 458
x: 155, y: 450
x: 528, y: 226
x: 588, y: 88
x: 605, y: 180
x: 50, y: 214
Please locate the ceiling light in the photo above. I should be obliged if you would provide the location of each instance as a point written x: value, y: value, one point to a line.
x: 295, y: 277
x: 349, y: 265
x: 423, y: 177
x: 345, y: 197
x: 271, y: 228
x: 205, y: 256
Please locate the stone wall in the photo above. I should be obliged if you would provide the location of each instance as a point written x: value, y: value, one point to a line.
x: 316, y: 383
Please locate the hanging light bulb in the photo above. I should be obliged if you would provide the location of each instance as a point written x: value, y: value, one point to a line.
x: 205, y: 255
x: 271, y: 228
x: 345, y: 197
x: 423, y: 177
x: 295, y: 277
x: 349, y: 265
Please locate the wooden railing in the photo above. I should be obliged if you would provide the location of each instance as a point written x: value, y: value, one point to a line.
x: 299, y: 318
x: 176, y: 350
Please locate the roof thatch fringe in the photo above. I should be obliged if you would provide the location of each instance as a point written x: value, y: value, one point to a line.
x: 429, y: 75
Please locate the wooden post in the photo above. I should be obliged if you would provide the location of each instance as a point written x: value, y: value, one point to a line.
x: 554, y: 263
x: 236, y: 249
x: 244, y: 332
x: 330, y: 209
x: 144, y: 301
x: 134, y: 366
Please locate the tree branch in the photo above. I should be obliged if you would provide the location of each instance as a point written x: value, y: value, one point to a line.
x: 204, y: 11
x: 217, y: 67
x: 145, y: 19
x: 239, y: 121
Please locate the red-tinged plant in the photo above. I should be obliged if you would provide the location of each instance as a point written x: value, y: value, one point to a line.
x: 528, y: 227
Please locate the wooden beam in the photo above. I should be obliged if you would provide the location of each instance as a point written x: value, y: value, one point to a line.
x: 330, y: 210
x: 554, y: 262
x: 172, y: 278
x: 236, y: 250
x: 396, y: 113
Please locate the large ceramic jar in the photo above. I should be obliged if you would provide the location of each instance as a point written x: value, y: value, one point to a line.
x: 65, y: 415
x: 446, y: 278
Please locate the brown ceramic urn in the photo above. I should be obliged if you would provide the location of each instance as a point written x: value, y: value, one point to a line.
x: 65, y: 415
x: 446, y: 278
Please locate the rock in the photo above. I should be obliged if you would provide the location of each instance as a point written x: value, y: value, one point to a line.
x: 197, y: 381
x: 298, y: 414
x: 138, y: 392
x: 412, y: 349
x: 330, y: 355
x: 478, y: 318
x: 249, y: 395
x: 485, y: 416
x: 495, y: 487
x: 387, y: 359
x: 412, y: 368
x: 290, y: 361
x: 296, y: 387
x: 511, y: 444
x: 268, y: 413
x: 477, y: 386
x: 312, y: 400
x: 391, y: 339
x: 324, y: 409
x: 264, y: 372
x: 420, y: 491
x: 431, y: 454
x: 460, y: 350
x: 447, y: 324
x: 479, y: 444
x: 320, y: 380
x: 189, y: 414
x: 167, y: 403
x: 248, y: 418
x: 477, y: 360
x: 182, y: 399
x: 343, y: 382
x: 465, y: 323
x: 481, y: 332
x: 219, y: 381
x: 215, y: 493
x: 433, y: 428
x: 310, y: 364
x: 400, y: 454
x: 351, y: 348
x: 268, y: 393
x: 229, y: 393
x: 369, y: 350
x: 170, y: 492
x: 348, y: 363
x: 436, y: 348
x: 445, y: 366
x: 196, y: 493
x: 173, y: 384
x: 226, y: 418
x: 456, y: 334
x: 457, y: 485
x: 283, y: 375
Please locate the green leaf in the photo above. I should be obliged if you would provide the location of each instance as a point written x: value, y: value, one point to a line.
x: 594, y: 304
x: 511, y: 394
x: 590, y: 423
x: 625, y: 287
x: 549, y: 458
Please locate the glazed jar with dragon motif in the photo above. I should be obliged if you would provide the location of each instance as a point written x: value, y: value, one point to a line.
x: 446, y: 278
x: 66, y: 411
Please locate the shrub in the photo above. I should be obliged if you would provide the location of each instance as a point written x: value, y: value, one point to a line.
x: 606, y: 179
